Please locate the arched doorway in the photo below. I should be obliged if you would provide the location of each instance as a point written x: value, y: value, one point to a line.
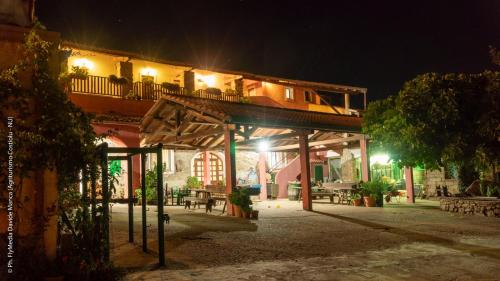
x: 213, y: 162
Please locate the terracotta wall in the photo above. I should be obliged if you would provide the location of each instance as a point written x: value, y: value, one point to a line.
x: 291, y: 171
x: 127, y: 136
x: 106, y: 105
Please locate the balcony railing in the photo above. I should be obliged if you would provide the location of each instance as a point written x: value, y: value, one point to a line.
x: 141, y: 90
x: 96, y: 85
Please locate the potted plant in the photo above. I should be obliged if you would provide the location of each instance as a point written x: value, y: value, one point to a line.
x: 213, y: 91
x: 77, y: 72
x: 373, y: 192
x: 171, y: 87
x: 117, y: 80
x: 240, y: 198
x: 193, y: 182
x: 356, y: 199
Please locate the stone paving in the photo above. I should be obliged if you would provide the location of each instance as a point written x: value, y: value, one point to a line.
x: 397, y: 242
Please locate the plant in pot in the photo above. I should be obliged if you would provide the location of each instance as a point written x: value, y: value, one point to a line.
x: 240, y: 198
x: 171, y: 87
x: 373, y: 192
x: 193, y: 182
x: 356, y: 199
x: 117, y: 80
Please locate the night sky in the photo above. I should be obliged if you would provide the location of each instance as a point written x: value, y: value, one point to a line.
x: 373, y: 44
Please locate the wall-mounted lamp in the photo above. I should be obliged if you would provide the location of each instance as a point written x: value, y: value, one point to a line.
x: 83, y: 63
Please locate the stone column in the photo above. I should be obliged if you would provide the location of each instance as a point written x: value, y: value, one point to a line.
x: 126, y: 71
x: 365, y: 159
x: 189, y: 82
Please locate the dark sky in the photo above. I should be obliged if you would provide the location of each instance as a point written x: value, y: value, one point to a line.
x: 373, y: 44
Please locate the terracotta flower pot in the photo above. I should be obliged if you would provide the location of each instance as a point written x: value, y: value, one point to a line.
x: 357, y: 202
x: 369, y: 201
x: 245, y: 214
x: 237, y: 211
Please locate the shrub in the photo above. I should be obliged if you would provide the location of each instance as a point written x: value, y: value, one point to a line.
x: 117, y: 80
x: 171, y: 87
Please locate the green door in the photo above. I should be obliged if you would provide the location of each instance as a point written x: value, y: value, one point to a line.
x: 318, y: 173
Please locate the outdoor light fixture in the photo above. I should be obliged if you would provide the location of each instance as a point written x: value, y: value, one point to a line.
x: 209, y: 80
x: 263, y: 146
x: 148, y: 71
x: 84, y: 63
x: 380, y: 159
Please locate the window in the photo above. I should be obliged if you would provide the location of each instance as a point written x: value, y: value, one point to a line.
x: 216, y: 171
x: 308, y: 96
x: 289, y: 93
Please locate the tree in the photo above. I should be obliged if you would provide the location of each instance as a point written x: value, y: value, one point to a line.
x: 436, y: 120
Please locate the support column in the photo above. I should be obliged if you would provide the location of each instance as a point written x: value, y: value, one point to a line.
x: 143, y: 203
x: 230, y: 159
x: 305, y: 172
x: 50, y: 207
x: 105, y: 199
x: 130, y: 201
x: 206, y: 168
x: 159, y: 189
x: 365, y: 159
x: 410, y: 193
x: 262, y: 175
x: 347, y: 103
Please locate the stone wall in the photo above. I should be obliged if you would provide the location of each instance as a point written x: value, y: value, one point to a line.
x: 437, y: 177
x: 183, y: 160
x: 182, y: 168
x: 244, y: 161
x: 489, y: 207
x: 347, y: 164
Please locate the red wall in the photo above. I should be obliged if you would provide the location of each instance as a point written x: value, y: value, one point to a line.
x: 105, y: 105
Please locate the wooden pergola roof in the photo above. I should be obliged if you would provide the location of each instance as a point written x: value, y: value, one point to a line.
x: 184, y: 122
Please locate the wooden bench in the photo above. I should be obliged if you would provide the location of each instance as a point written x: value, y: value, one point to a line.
x: 218, y: 194
x: 324, y: 193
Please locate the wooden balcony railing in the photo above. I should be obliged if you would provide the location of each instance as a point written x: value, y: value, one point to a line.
x: 97, y: 85
x: 140, y: 90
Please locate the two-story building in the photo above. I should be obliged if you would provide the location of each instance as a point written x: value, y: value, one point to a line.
x: 121, y: 87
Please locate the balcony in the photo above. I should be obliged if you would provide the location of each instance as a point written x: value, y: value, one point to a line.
x: 97, y: 85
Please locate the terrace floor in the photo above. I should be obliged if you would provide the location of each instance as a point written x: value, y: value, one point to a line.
x: 397, y: 242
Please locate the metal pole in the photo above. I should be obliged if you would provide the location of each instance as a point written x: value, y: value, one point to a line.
x: 143, y: 199
x: 159, y: 189
x: 130, y: 202
x: 105, y: 199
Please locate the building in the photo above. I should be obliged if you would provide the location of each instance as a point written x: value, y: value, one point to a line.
x: 121, y: 87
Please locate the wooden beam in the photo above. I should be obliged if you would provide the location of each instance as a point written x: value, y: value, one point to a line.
x: 270, y: 138
x: 206, y: 117
x: 215, y: 131
x: 316, y: 143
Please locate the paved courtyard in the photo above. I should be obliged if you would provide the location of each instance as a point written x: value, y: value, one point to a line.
x: 397, y: 242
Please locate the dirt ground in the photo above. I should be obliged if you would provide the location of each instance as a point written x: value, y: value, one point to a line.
x: 397, y: 242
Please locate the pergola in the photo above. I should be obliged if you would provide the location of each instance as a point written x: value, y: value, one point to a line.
x: 188, y: 123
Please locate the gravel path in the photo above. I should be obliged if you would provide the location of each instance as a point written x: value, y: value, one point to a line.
x: 397, y: 242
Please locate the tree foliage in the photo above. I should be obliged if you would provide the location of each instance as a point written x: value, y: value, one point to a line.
x: 440, y: 119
